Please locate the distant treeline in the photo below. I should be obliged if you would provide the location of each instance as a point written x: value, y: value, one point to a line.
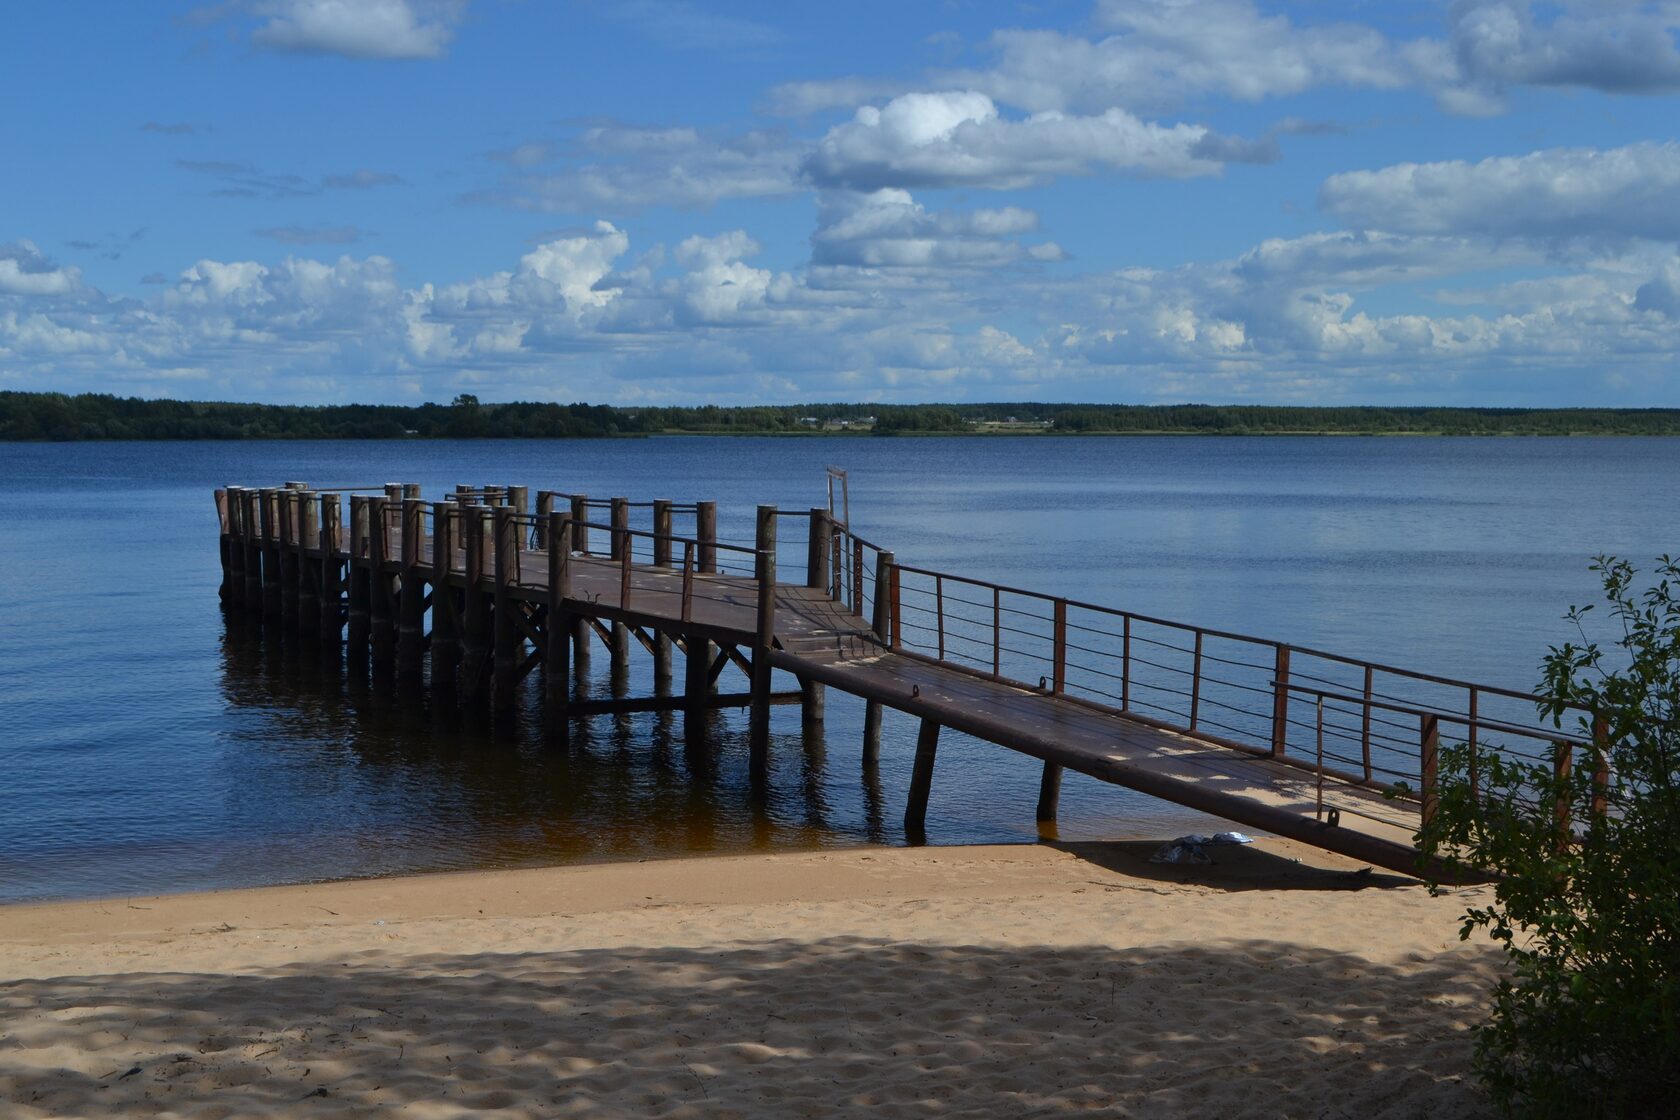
x: 55, y: 416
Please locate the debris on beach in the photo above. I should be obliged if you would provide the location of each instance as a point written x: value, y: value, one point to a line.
x: 1191, y: 848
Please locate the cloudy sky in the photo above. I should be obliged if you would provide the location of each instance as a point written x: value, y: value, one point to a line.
x: 634, y: 201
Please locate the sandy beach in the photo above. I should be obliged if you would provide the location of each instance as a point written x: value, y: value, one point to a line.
x: 990, y: 981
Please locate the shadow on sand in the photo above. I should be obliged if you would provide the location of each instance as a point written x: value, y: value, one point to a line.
x: 843, y: 1026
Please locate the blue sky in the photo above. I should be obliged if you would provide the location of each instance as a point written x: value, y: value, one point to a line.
x: 678, y: 201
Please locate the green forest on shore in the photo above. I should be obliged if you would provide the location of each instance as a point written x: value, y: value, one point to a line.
x: 95, y: 416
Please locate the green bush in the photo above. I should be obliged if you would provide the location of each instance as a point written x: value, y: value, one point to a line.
x: 1587, y: 895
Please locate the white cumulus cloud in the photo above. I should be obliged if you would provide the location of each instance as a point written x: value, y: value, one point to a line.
x: 359, y: 28
x: 24, y: 271
x: 890, y: 229
x: 958, y: 138
x: 1632, y: 191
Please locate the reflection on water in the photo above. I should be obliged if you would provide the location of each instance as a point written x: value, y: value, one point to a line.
x: 461, y: 786
x: 148, y: 745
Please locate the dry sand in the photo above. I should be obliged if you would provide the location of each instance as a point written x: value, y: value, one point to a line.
x: 996, y: 982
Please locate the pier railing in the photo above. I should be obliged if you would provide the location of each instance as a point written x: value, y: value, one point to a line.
x: 1357, y: 721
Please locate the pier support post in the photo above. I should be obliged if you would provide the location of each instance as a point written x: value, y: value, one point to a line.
x: 557, y: 669
x: 818, y: 548
x: 1280, y: 703
x: 697, y: 672
x: 270, y: 502
x: 662, y: 559
x: 475, y: 608
x: 446, y: 635
x: 705, y: 531
x: 582, y: 633
x: 812, y: 702
x: 332, y: 576
x: 411, y: 602
x: 289, y: 580
x: 759, y: 722
x: 508, y: 641
x: 872, y: 708
x: 235, y: 592
x: 250, y: 527
x: 618, y: 550
x: 247, y: 591
x: 921, y: 780
x: 545, y: 506
x: 309, y: 567
x: 361, y: 581
x: 381, y: 613
x: 519, y: 499
x: 1049, y: 792
x: 224, y: 521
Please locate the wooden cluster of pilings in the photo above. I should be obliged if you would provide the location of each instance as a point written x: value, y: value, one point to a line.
x: 432, y: 594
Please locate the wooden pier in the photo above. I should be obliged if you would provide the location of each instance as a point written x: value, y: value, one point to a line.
x: 470, y: 594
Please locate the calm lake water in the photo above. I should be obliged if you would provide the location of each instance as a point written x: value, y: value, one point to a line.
x: 145, y: 746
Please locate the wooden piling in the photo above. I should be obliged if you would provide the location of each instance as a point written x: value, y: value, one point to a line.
x: 1049, y: 792
x: 921, y: 780
x: 818, y: 546
x: 332, y: 576
x: 411, y: 592
x: 476, y: 622
x: 446, y: 634
x: 382, y: 615
x: 519, y: 499
x: 557, y: 670
x: 619, y: 549
x: 662, y: 559
x: 1280, y: 703
x: 509, y: 642
x: 705, y: 531
x: 251, y: 521
x: 812, y: 701
x: 361, y: 581
x: 872, y: 708
x: 234, y: 583
x: 1429, y: 736
x: 309, y: 560
x: 759, y: 721
x: 697, y: 671
x: 270, y: 503
x: 225, y: 522
x: 289, y: 576
x: 582, y: 635
x: 699, y: 652
x: 545, y: 506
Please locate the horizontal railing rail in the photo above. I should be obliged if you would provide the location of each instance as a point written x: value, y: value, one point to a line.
x: 1378, y: 725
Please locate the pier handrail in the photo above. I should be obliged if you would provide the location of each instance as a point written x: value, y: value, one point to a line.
x: 694, y: 580
x: 1446, y: 716
x: 1218, y: 685
x: 606, y: 503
